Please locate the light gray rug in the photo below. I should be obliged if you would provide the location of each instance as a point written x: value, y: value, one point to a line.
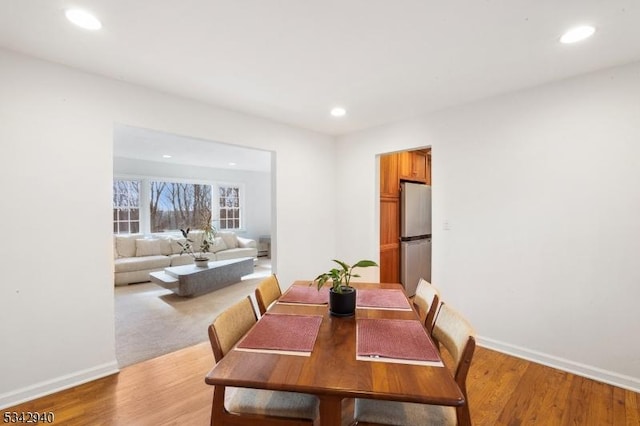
x: 152, y: 321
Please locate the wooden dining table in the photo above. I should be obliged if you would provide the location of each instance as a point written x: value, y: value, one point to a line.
x: 332, y: 371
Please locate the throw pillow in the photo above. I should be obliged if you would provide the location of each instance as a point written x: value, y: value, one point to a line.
x: 230, y: 239
x: 148, y: 248
x: 196, y: 237
x: 218, y: 245
x: 165, y: 246
x: 175, y: 247
x: 126, y: 245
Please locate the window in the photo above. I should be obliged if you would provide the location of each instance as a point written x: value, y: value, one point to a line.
x: 229, y: 207
x: 126, y: 206
x: 175, y: 205
x: 150, y: 206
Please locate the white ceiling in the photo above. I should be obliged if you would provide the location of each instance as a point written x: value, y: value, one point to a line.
x: 149, y: 145
x: 292, y: 60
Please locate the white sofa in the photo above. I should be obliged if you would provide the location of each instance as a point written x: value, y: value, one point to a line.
x: 136, y: 255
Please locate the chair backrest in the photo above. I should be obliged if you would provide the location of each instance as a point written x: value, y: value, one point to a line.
x: 230, y: 326
x: 267, y: 291
x: 427, y: 300
x: 455, y: 333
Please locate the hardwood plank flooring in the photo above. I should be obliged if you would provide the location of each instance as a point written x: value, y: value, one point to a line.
x: 503, y: 390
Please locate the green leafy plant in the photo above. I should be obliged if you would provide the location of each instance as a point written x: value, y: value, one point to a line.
x: 207, y: 239
x: 187, y: 246
x: 341, y: 276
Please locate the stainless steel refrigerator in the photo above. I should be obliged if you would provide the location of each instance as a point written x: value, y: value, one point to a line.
x: 415, y: 235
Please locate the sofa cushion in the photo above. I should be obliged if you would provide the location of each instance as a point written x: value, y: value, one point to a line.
x: 175, y: 247
x: 153, y: 246
x: 246, y: 242
x: 126, y: 244
x: 230, y: 239
x: 129, y: 264
x: 181, y: 259
x: 165, y: 246
x: 236, y: 253
x: 217, y: 245
x: 196, y: 237
x: 148, y: 247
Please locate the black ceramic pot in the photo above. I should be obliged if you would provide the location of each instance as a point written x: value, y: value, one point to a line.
x: 342, y: 304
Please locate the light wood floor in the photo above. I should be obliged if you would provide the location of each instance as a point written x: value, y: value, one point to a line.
x: 503, y: 390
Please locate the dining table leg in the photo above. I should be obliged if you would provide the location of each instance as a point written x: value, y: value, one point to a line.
x: 330, y: 410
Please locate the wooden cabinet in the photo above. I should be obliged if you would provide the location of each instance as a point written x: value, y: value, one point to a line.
x: 389, y: 184
x: 389, y: 219
x: 390, y: 265
x: 420, y: 165
x: 413, y: 166
x: 428, y: 174
x: 390, y: 226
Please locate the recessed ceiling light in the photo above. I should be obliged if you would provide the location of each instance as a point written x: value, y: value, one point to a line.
x: 232, y: 164
x: 83, y: 19
x: 338, y: 112
x: 577, y: 34
x: 166, y: 156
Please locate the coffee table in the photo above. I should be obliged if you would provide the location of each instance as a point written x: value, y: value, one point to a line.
x: 192, y: 280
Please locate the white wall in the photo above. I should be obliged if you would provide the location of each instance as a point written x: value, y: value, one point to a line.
x: 540, y: 189
x: 56, y: 320
x: 257, y: 187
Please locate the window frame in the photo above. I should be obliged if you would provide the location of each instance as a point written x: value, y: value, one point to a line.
x: 118, y: 210
x: 241, y: 205
x: 144, y: 208
x: 176, y: 181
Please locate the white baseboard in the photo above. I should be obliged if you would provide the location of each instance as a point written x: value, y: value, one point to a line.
x: 609, y: 377
x: 48, y: 387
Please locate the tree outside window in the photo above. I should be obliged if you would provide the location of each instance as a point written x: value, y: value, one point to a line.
x: 126, y: 206
x: 229, y: 207
x: 175, y: 205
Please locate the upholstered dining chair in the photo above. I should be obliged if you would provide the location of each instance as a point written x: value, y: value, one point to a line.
x: 427, y: 301
x: 267, y: 292
x: 458, y: 337
x: 244, y: 406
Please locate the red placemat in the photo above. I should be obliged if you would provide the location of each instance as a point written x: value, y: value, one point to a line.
x: 305, y: 294
x: 399, y: 339
x: 283, y: 332
x: 381, y: 298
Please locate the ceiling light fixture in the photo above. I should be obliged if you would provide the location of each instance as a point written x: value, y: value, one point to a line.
x: 577, y: 34
x: 166, y: 156
x: 338, y: 112
x: 83, y: 19
x: 232, y: 164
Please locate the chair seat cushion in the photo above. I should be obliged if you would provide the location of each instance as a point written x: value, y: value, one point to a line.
x: 403, y: 413
x: 272, y: 403
x: 236, y: 253
x: 131, y: 264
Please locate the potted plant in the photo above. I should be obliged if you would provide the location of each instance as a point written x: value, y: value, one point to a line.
x: 187, y: 247
x: 209, y: 230
x: 342, y: 297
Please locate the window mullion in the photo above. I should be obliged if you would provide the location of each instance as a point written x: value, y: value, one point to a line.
x: 145, y: 201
